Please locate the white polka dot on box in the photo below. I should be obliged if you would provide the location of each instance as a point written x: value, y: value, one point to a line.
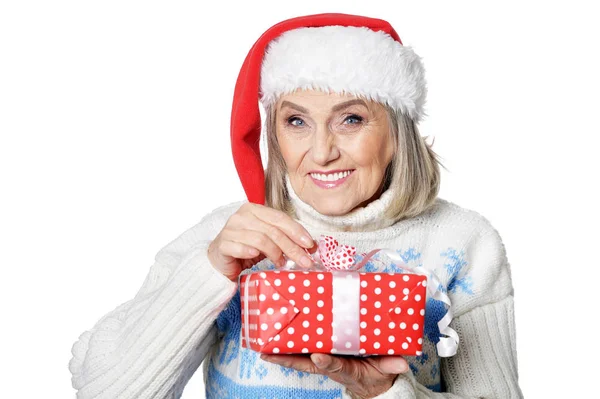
x: 333, y: 312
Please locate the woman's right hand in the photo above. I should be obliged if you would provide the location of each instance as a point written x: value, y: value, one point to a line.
x: 256, y: 232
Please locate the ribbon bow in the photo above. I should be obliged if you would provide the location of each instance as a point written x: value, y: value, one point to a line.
x: 334, y: 256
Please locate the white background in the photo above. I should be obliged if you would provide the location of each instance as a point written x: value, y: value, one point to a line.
x: 114, y: 123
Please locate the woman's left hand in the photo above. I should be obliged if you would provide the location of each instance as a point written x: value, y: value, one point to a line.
x: 364, y: 377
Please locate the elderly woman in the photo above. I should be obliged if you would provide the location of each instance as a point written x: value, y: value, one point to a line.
x: 343, y: 97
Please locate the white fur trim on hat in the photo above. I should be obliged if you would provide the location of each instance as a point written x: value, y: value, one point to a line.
x: 345, y: 59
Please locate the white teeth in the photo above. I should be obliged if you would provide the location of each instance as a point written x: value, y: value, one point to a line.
x: 331, y: 176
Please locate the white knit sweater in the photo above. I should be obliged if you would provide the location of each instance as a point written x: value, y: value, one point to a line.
x: 186, y: 312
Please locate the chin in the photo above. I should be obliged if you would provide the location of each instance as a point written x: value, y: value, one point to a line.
x: 332, y: 208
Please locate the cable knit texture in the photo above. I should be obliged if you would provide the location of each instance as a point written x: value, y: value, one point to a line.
x: 186, y: 312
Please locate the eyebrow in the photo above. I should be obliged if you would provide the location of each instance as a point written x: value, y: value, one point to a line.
x: 335, y: 108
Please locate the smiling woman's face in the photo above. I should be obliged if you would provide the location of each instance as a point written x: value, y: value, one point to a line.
x: 336, y: 148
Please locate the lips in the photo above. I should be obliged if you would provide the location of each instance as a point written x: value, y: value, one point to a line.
x: 332, y: 175
x: 331, y: 184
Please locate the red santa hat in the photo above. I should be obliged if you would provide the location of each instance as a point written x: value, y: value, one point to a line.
x: 341, y: 53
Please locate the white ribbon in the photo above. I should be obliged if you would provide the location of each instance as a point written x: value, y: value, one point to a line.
x: 346, y: 312
x: 246, y: 310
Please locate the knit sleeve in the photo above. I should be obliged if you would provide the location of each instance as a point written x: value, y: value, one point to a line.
x: 485, y: 365
x: 480, y: 287
x: 151, y: 345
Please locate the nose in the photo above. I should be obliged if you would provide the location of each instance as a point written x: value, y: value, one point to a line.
x: 324, y: 148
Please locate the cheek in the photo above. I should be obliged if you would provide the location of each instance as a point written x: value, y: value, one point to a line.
x: 369, y: 151
x: 292, y: 154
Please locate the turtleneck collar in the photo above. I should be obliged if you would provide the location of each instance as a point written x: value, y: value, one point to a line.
x: 368, y: 218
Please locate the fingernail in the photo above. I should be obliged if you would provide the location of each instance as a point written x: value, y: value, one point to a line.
x: 307, y: 241
x: 306, y: 262
x: 318, y: 361
x: 400, y: 367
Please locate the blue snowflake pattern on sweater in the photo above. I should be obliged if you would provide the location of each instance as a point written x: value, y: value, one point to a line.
x: 455, y: 264
x: 219, y: 386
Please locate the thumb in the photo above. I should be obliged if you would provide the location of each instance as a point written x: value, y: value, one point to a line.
x: 389, y: 364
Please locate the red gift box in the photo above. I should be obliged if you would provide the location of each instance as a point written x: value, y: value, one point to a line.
x: 342, y: 312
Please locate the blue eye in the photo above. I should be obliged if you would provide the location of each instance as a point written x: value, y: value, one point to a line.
x: 298, y: 122
x: 357, y: 118
x: 291, y: 120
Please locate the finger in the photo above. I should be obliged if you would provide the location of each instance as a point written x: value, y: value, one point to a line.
x: 285, y: 223
x: 268, y: 221
x: 228, y: 265
x: 328, y: 363
x: 296, y: 362
x: 248, y: 263
x: 389, y: 364
x: 281, y: 239
x: 258, y: 240
x: 238, y: 250
x: 337, y: 368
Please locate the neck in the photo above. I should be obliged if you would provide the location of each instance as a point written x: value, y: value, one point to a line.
x: 366, y: 217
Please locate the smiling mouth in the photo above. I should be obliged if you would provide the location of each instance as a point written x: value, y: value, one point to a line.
x: 331, y: 177
x: 330, y: 180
